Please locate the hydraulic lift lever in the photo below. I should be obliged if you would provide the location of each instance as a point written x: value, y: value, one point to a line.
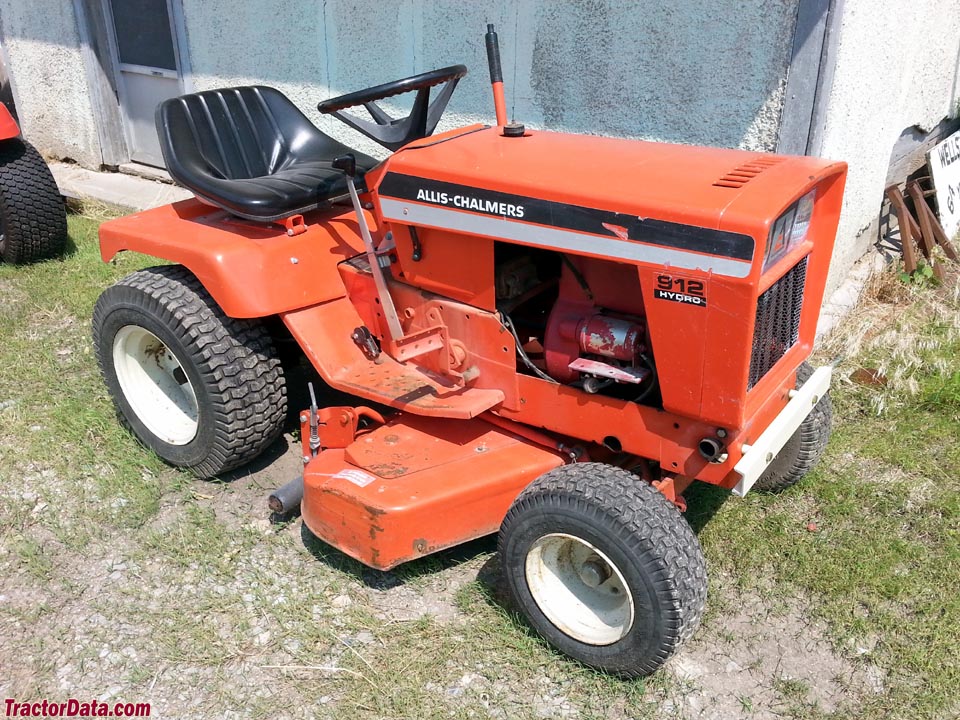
x: 348, y: 164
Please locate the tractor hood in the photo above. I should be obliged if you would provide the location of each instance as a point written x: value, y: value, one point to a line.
x: 718, y: 189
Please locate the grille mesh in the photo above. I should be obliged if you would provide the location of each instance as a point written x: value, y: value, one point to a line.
x: 778, y: 321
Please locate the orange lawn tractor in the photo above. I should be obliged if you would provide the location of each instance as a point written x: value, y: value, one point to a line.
x: 549, y: 336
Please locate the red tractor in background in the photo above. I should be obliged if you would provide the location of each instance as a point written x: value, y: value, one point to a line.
x: 33, y: 219
x: 549, y: 336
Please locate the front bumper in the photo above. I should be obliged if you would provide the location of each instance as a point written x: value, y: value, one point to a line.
x: 758, y: 456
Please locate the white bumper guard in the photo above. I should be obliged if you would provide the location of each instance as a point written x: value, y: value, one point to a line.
x: 760, y: 454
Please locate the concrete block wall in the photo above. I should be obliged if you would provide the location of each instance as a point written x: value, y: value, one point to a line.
x: 694, y: 72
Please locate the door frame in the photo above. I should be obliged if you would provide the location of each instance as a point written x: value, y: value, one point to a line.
x: 101, y: 61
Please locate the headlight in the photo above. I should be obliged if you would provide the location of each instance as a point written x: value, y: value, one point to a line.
x: 790, y: 229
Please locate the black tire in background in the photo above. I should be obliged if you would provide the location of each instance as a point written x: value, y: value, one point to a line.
x: 33, y: 219
x: 801, y: 452
x: 230, y: 366
x: 646, y: 553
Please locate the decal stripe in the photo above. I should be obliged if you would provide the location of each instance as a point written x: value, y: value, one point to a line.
x: 556, y: 238
x: 572, y: 217
x: 691, y: 237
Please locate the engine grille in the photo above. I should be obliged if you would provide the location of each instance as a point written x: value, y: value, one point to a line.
x: 778, y: 321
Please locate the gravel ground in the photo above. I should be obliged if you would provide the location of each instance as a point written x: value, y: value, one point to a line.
x: 211, y: 608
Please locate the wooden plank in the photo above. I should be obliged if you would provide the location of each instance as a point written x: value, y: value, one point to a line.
x: 903, y: 221
x: 803, y: 80
x: 927, y: 241
x: 940, y: 235
x: 914, y: 227
x: 93, y: 29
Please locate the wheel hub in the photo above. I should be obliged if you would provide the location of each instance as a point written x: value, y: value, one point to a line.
x: 594, y: 572
x: 579, y: 589
x: 155, y: 385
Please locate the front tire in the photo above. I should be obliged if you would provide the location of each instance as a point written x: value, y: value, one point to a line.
x: 33, y: 219
x: 202, y: 390
x: 804, y: 448
x: 604, y: 568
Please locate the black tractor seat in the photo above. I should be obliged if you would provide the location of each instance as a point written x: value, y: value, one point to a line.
x: 250, y: 151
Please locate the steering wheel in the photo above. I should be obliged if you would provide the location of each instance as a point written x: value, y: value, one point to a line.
x: 395, y: 133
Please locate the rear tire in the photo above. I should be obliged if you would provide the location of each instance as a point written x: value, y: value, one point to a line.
x: 805, y: 446
x: 204, y: 391
x: 33, y: 219
x: 604, y: 568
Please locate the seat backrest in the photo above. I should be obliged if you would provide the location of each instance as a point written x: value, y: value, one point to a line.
x: 232, y: 133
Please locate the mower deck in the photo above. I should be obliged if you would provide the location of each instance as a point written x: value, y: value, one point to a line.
x: 417, y: 485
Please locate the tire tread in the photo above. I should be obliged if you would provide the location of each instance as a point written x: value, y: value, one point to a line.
x: 804, y: 448
x: 35, y: 220
x: 647, y: 523
x: 236, y: 356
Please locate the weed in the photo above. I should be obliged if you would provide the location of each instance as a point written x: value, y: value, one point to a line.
x: 921, y: 277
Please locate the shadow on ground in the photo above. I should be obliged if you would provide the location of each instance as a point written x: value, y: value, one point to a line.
x: 386, y: 579
x: 703, y: 503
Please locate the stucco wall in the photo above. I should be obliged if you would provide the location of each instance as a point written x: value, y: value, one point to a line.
x: 896, y: 66
x: 697, y: 72
x: 52, y: 98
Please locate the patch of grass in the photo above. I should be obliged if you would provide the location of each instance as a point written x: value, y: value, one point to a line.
x: 941, y: 394
x: 195, y: 539
x: 792, y: 689
x: 32, y: 557
x: 148, y: 580
x: 427, y: 670
x: 884, y: 559
x: 57, y: 421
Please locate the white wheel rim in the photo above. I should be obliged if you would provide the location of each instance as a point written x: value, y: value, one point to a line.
x: 558, y: 569
x: 155, y: 385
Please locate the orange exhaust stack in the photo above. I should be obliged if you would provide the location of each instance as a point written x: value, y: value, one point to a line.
x: 496, y: 75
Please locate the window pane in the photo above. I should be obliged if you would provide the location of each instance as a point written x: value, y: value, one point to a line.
x: 143, y: 33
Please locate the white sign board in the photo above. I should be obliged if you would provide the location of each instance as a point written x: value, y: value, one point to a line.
x: 945, y: 167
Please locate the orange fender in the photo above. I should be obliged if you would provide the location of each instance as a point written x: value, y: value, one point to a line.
x: 8, y: 126
x: 251, y: 269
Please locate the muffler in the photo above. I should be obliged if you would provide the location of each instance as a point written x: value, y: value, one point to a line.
x: 286, y: 499
x: 712, y: 450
